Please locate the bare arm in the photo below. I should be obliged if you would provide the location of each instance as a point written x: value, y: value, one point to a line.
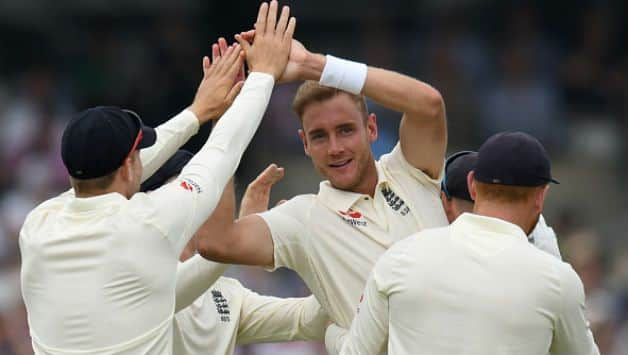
x: 245, y: 241
x: 423, y: 127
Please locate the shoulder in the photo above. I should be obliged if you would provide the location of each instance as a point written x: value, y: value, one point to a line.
x: 297, y: 207
x: 395, y: 162
x: 42, y: 211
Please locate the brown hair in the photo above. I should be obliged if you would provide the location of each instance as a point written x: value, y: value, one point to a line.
x: 311, y: 91
x: 505, y: 193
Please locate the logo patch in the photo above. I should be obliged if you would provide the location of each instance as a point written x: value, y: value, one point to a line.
x: 222, y: 306
x: 395, y: 202
x: 191, y: 185
x: 353, y: 218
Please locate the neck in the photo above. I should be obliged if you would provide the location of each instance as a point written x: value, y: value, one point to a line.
x: 515, y: 214
x: 98, y: 192
x: 368, y: 181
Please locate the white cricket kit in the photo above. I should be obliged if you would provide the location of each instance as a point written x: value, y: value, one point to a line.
x: 98, y: 274
x: 476, y: 287
x: 333, y: 239
x: 544, y: 238
x: 230, y: 314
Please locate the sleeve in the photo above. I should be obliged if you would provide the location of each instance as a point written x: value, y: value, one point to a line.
x: 544, y: 238
x: 369, y: 329
x: 170, y: 136
x: 395, y: 161
x: 179, y: 208
x: 572, y: 335
x: 287, y: 224
x: 266, y: 319
x: 195, y: 276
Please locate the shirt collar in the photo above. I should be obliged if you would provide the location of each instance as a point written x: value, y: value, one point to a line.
x: 470, y: 222
x: 343, y: 200
x: 77, y: 204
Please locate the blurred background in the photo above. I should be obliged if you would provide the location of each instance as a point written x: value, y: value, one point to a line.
x: 555, y: 69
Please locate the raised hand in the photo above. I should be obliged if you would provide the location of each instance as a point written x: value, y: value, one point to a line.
x: 296, y: 69
x: 219, y: 87
x: 273, y: 38
x: 257, y: 194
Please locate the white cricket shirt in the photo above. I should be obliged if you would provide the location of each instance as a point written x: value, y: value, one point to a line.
x: 544, y: 238
x: 475, y: 288
x: 98, y: 274
x: 333, y: 239
x: 230, y: 314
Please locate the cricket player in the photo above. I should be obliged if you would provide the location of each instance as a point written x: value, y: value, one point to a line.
x: 224, y: 313
x: 457, y: 200
x: 99, y: 262
x: 333, y: 239
x: 477, y: 286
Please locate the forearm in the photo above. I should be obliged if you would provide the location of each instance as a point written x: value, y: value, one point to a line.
x: 194, y: 277
x: 171, y: 135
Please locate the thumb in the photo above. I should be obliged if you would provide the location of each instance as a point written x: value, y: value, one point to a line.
x: 235, y: 90
x: 244, y: 43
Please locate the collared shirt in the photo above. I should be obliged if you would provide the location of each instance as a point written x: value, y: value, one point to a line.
x: 475, y: 287
x: 333, y: 239
x: 230, y: 314
x: 98, y: 274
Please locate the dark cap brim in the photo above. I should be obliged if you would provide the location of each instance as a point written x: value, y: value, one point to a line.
x: 149, y: 137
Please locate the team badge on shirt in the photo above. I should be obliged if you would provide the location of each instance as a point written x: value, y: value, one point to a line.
x: 222, y: 306
x: 395, y: 202
x: 352, y: 217
x: 191, y: 185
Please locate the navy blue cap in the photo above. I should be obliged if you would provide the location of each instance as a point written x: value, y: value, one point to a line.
x: 170, y: 169
x: 96, y: 141
x: 457, y: 167
x: 515, y: 159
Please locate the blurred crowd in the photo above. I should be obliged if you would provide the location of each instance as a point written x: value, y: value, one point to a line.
x: 557, y: 70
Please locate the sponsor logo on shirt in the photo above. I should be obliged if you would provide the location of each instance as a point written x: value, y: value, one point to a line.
x: 395, y: 202
x: 191, y: 185
x: 353, y: 218
x: 222, y: 306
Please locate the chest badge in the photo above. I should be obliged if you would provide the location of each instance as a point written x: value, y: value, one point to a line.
x: 353, y: 218
x: 395, y: 202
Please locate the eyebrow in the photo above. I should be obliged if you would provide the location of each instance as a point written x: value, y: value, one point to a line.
x: 315, y: 131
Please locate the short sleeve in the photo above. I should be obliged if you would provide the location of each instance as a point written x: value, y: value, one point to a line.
x: 396, y: 162
x: 287, y: 223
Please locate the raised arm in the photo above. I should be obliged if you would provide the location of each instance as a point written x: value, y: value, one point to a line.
x: 197, y: 190
x: 423, y: 127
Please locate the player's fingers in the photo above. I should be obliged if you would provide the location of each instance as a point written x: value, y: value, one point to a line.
x: 222, y: 43
x: 290, y: 29
x: 260, y: 24
x: 223, y: 63
x: 270, y: 176
x: 234, y: 61
x: 215, y: 52
x: 206, y: 65
x: 283, y: 20
x: 248, y: 35
x: 271, y: 19
x: 246, y: 46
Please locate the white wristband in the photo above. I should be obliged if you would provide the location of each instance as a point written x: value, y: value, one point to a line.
x: 344, y: 75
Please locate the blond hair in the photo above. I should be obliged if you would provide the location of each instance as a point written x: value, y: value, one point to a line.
x: 311, y: 91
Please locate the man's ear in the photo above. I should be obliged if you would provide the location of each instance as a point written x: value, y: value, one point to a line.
x: 371, y: 127
x: 471, y: 184
x: 540, y: 199
x: 304, y: 141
